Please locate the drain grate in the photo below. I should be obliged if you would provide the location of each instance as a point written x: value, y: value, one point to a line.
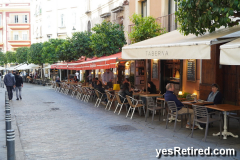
x: 123, y: 128
x: 48, y: 102
x: 54, y: 109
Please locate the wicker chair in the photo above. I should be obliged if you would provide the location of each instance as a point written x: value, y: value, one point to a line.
x: 134, y: 103
x: 120, y: 103
x: 99, y: 98
x: 111, y: 98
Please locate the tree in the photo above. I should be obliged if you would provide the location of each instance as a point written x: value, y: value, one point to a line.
x: 64, y: 52
x: 21, y: 54
x: 81, y: 44
x: 201, y: 16
x: 49, y: 50
x: 35, y: 54
x: 11, y: 57
x: 3, y: 58
x: 144, y: 28
x: 108, y: 39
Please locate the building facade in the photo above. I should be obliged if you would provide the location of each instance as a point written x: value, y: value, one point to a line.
x: 15, y: 25
x: 94, y: 12
x: 54, y: 19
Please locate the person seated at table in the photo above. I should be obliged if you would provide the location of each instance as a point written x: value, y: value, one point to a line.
x: 151, y: 88
x: 170, y: 96
x: 100, y: 88
x: 126, y: 80
x: 124, y: 90
x: 75, y: 79
x: 94, y: 82
x: 58, y: 81
x: 215, y: 96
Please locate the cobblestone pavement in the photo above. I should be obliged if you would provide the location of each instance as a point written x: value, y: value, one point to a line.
x: 55, y: 126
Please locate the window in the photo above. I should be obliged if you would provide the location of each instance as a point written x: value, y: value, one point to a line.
x: 24, y: 19
x: 144, y: 8
x: 74, y: 18
x: 16, y: 19
x: 24, y: 35
x: 89, y: 26
x: 15, y: 36
x: 62, y: 20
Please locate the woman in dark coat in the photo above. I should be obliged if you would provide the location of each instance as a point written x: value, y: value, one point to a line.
x: 215, y: 96
x: 151, y: 88
x: 99, y: 87
x: 125, y: 90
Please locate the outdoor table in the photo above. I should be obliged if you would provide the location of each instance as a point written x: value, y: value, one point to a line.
x: 197, y: 103
x: 224, y: 108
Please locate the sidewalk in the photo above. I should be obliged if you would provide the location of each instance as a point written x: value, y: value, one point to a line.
x: 3, y: 149
x: 18, y: 147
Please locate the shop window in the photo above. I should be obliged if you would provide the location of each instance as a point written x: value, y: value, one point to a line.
x: 144, y: 8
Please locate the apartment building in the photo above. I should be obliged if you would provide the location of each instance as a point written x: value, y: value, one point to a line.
x: 54, y: 19
x: 94, y: 12
x: 15, y: 28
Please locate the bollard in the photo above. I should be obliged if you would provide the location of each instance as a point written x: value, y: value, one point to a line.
x: 10, y: 145
x: 8, y: 123
x: 7, y: 109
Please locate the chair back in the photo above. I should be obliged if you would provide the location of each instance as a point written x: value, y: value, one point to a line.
x: 98, y: 93
x: 150, y: 101
x: 118, y: 98
x: 200, y: 111
x: 108, y: 96
x: 172, y: 106
x: 129, y: 99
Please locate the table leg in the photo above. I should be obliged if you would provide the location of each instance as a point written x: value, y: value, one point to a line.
x: 225, y: 133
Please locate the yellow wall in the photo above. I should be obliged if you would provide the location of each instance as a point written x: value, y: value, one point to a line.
x: 188, y: 86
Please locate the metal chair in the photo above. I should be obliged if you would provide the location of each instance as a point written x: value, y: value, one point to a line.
x: 153, y: 106
x: 99, y: 98
x: 173, y: 112
x: 201, y: 115
x: 134, y: 103
x: 233, y: 115
x: 110, y: 99
x: 120, y: 102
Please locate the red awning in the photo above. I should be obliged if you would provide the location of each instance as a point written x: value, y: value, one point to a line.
x: 104, y: 62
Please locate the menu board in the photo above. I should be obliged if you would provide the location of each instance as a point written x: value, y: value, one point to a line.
x: 191, y: 70
x: 155, y: 70
x: 139, y: 72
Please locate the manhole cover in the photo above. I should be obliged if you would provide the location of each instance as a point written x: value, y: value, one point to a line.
x: 123, y: 128
x: 54, y: 109
x: 48, y: 102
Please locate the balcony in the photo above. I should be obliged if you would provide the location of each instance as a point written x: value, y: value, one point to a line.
x: 18, y: 39
x: 167, y: 22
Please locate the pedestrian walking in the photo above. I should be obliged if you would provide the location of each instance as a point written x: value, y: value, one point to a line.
x: 10, y: 82
x: 19, y: 85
